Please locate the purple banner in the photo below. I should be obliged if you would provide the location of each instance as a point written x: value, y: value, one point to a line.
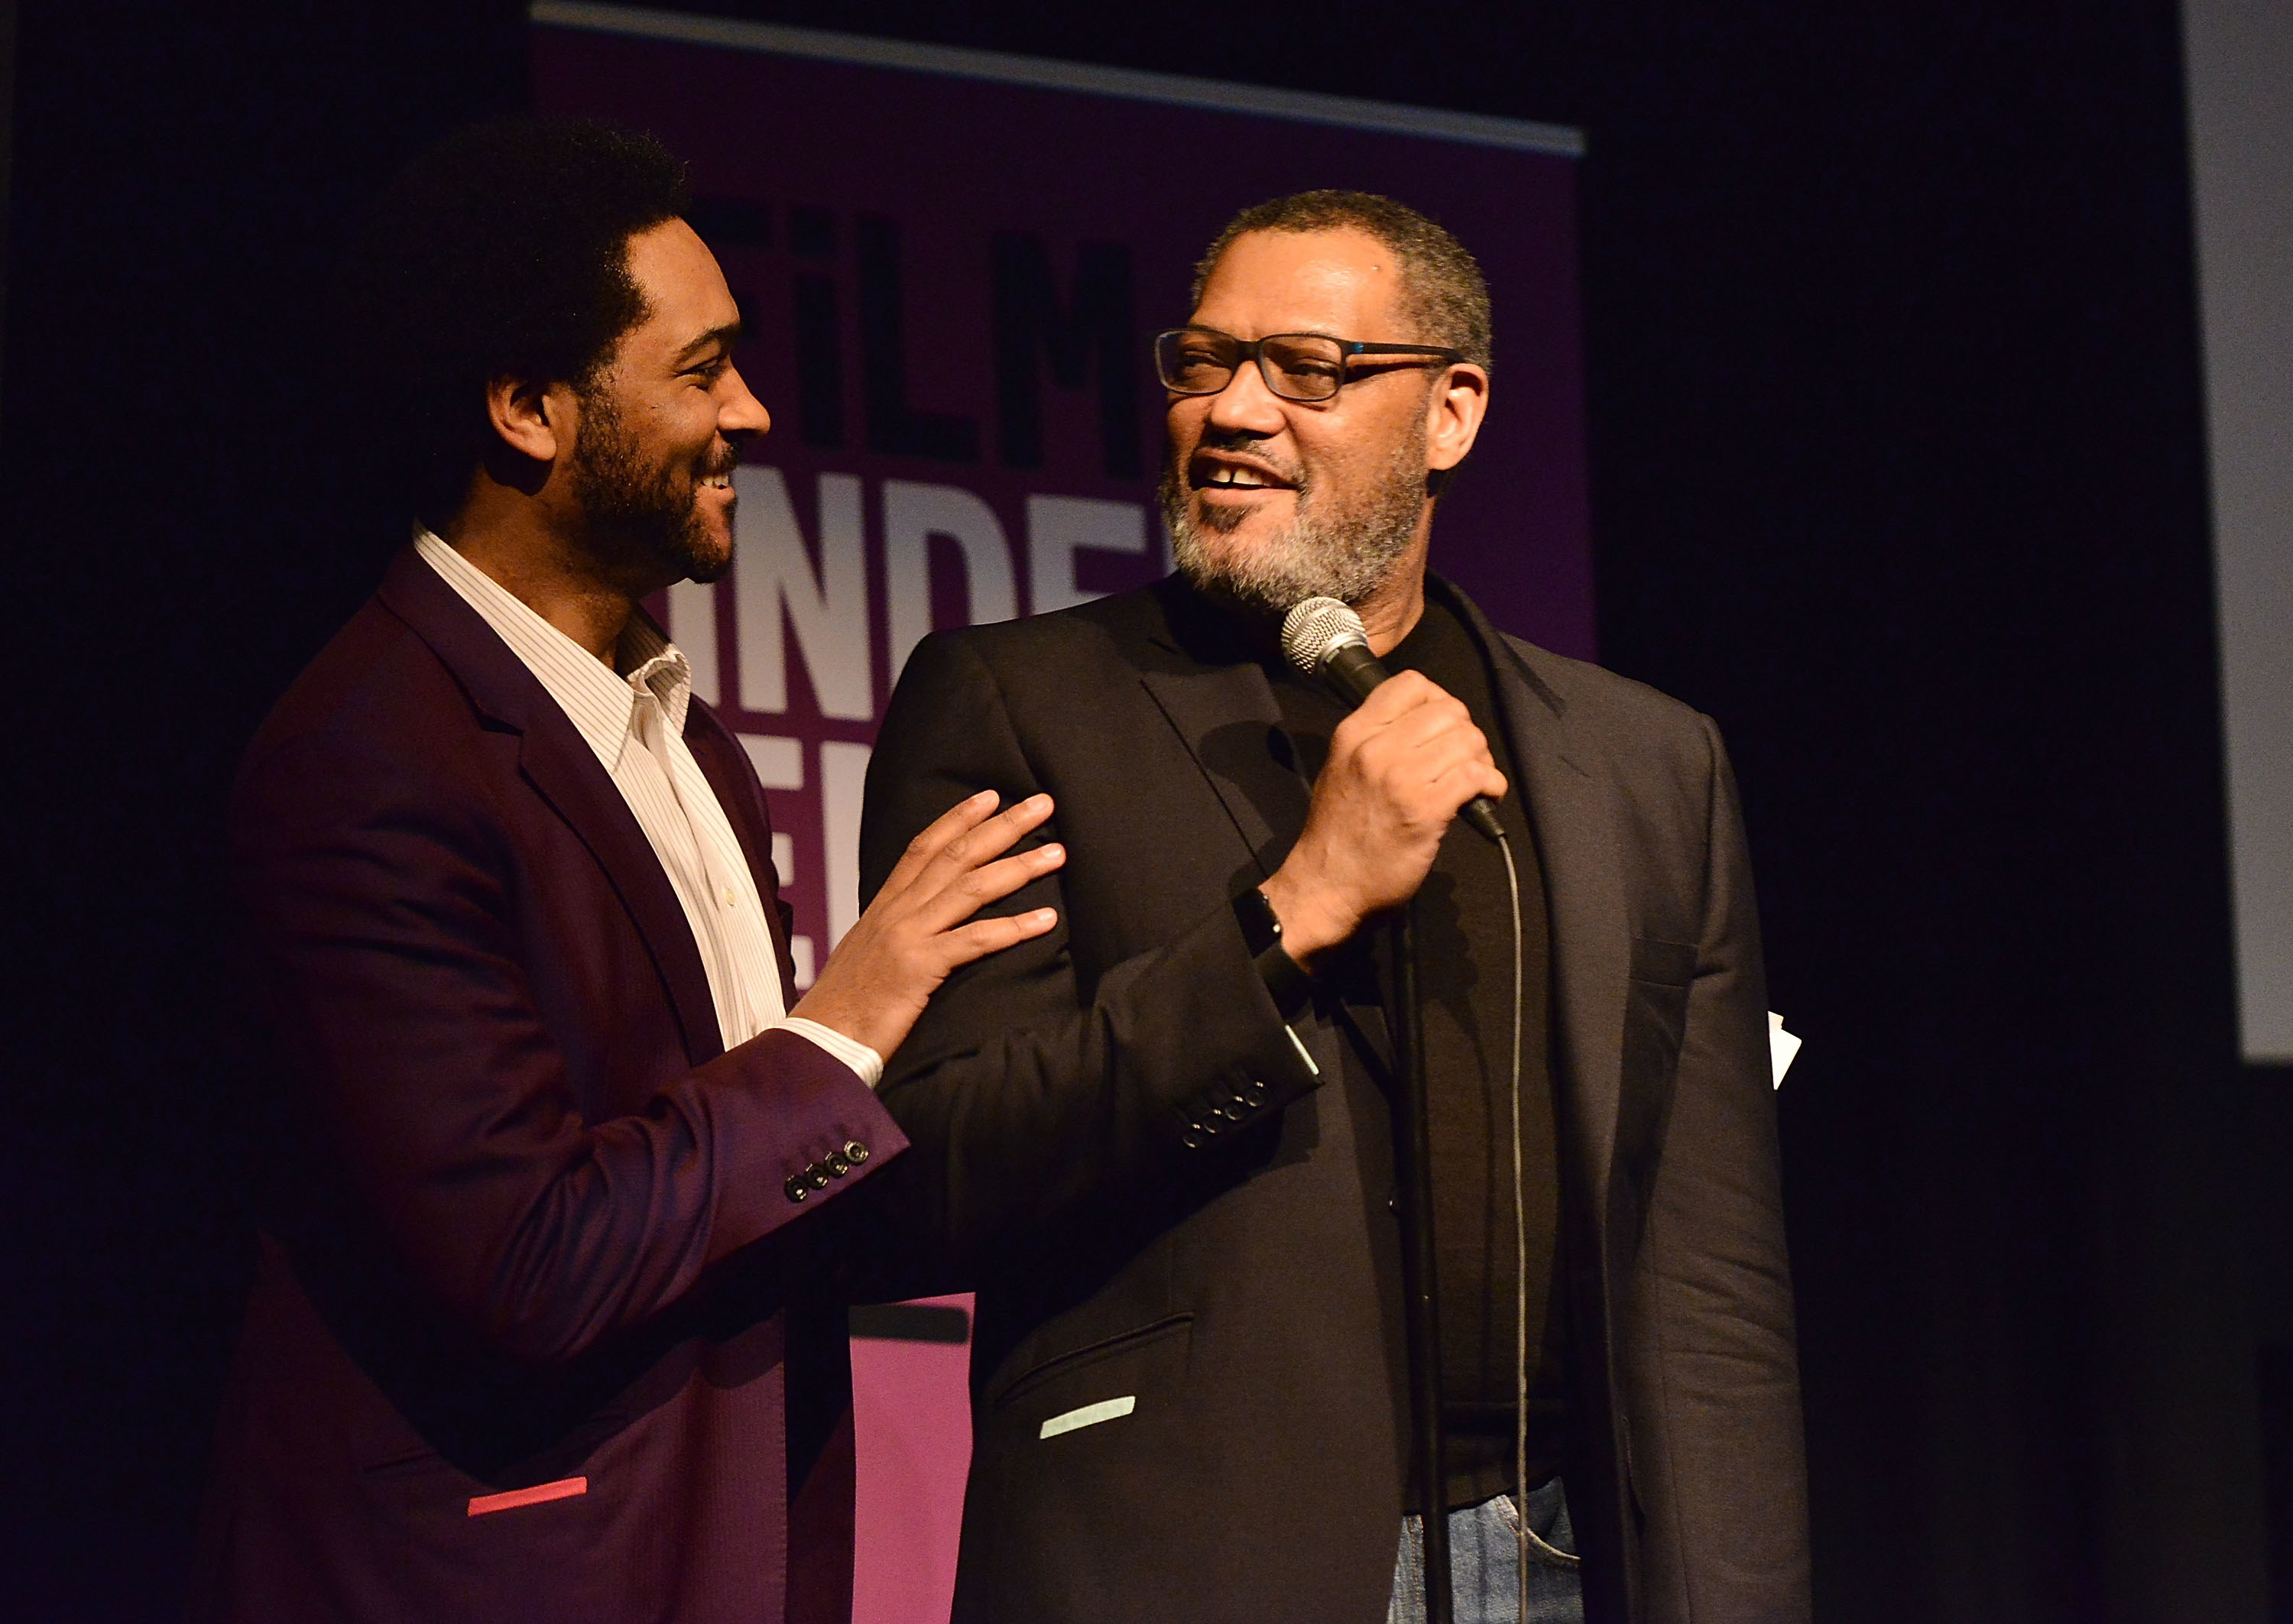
x: 950, y: 266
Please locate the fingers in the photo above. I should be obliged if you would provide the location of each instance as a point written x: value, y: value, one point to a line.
x: 905, y: 941
x: 1430, y: 739
x: 949, y: 827
x: 997, y: 835
x: 1407, y: 709
x: 973, y: 847
x: 1463, y: 780
x: 1423, y: 749
x: 982, y: 937
x: 965, y: 893
x: 965, y: 836
x: 957, y: 865
x: 1403, y: 691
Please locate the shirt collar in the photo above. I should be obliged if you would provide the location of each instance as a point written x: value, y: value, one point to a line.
x: 596, y: 699
x: 656, y: 665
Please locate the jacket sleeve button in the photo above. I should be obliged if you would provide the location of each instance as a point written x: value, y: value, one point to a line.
x: 838, y: 1163
x: 796, y: 1188
x: 855, y: 1152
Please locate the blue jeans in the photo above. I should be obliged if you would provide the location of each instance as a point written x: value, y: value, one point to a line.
x: 1485, y: 1563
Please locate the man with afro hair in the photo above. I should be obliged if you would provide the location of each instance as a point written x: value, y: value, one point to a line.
x: 545, y: 1324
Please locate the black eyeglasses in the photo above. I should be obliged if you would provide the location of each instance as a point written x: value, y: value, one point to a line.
x: 1295, y: 365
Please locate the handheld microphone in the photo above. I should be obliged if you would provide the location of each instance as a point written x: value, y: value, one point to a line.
x: 1321, y: 637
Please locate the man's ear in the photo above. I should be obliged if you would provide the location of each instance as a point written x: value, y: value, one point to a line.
x: 534, y: 419
x: 1453, y: 415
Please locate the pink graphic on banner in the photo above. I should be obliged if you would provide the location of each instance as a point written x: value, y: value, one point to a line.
x: 949, y: 286
x: 911, y: 1422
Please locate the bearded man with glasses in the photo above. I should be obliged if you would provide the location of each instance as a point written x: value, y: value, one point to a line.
x: 1158, y: 1141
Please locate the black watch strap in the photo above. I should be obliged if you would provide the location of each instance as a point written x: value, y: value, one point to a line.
x: 1287, y: 983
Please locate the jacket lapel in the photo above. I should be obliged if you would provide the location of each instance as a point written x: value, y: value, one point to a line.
x: 1570, y: 813
x: 1218, y: 702
x: 1228, y: 717
x: 564, y: 772
x: 1223, y: 709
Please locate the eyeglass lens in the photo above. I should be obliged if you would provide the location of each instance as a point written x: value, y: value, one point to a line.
x: 1298, y: 367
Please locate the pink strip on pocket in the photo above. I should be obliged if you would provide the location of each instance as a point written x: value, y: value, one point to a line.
x: 564, y: 1488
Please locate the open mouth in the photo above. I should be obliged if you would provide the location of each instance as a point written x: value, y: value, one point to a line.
x: 1220, y: 474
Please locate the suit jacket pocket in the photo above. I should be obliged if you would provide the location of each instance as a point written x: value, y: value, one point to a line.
x: 419, y: 1460
x: 1147, y: 1364
x: 1656, y: 1011
x: 1655, y: 1022
x: 1662, y: 964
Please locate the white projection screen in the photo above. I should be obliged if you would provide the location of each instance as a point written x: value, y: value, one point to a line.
x: 2239, y: 57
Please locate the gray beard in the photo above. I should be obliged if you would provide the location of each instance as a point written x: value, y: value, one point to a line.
x: 1347, y: 556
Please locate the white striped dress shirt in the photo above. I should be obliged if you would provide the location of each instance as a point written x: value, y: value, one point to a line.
x: 634, y: 721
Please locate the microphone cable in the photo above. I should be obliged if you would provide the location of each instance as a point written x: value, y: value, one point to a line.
x: 1520, y: 1257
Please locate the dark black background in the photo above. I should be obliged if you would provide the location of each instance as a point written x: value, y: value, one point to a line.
x: 1898, y: 471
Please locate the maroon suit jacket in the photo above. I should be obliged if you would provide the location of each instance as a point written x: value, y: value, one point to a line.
x: 526, y: 1224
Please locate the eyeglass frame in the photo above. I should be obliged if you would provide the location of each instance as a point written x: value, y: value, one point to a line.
x: 1252, y: 350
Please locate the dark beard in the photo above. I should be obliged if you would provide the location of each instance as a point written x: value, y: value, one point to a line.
x: 641, y: 524
x: 1347, y: 556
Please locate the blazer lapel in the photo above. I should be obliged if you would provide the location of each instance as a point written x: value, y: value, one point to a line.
x: 1224, y: 711
x: 1229, y: 722
x: 1218, y: 702
x: 565, y: 773
x: 1570, y: 813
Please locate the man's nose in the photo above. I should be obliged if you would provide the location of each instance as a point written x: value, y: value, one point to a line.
x: 1246, y: 405
x: 741, y: 412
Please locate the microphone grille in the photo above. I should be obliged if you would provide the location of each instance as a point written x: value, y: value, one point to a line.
x: 1314, y: 630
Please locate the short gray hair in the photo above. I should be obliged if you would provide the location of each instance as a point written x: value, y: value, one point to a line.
x: 1442, y: 288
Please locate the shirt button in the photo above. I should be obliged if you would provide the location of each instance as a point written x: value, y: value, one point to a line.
x: 730, y: 896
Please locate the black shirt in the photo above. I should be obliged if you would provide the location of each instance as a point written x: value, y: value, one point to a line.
x: 1463, y: 930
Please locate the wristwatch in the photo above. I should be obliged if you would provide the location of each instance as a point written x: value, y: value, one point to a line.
x: 1287, y: 982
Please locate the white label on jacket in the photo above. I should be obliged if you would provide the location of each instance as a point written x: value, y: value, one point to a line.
x: 1089, y: 1415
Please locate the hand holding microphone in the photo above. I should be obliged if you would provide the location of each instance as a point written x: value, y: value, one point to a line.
x: 1324, y: 638
x: 1401, y: 767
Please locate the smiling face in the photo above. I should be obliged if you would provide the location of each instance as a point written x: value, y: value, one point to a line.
x: 1271, y: 501
x: 659, y: 428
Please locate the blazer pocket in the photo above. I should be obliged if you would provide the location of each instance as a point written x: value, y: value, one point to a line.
x: 1662, y: 964
x: 1656, y: 1024
x: 417, y: 1460
x: 1655, y: 1008
x: 1148, y: 1362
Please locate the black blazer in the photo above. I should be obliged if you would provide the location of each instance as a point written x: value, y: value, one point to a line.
x: 1242, y: 1286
